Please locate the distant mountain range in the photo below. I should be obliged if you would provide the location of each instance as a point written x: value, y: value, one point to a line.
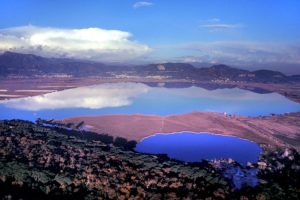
x: 16, y: 64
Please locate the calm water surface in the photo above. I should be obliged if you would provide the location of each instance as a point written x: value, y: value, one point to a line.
x: 131, y: 98
x: 193, y: 147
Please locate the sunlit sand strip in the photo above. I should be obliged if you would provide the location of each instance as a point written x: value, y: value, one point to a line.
x: 10, y: 95
x: 56, y: 86
x: 35, y: 90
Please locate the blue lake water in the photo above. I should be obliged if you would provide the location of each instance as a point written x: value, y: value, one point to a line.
x: 191, y: 147
x: 195, y: 147
x: 132, y: 98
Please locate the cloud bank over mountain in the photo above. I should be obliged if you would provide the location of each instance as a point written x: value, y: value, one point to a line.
x: 85, y: 43
x: 104, y: 45
x: 246, y: 51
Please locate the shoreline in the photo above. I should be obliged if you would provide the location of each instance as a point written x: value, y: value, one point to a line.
x: 254, y: 129
x: 276, y: 129
x: 196, y: 133
x: 24, y: 87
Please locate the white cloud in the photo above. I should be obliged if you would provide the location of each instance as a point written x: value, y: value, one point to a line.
x: 221, y: 26
x: 241, y: 52
x: 86, y: 43
x: 214, y: 19
x: 214, y: 24
x: 92, y: 97
x: 140, y: 4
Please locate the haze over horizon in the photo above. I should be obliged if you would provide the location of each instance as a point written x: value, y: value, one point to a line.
x: 248, y: 34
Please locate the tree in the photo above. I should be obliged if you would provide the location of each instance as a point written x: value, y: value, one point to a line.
x: 120, y: 142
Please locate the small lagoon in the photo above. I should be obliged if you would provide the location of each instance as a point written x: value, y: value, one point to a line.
x: 194, y: 147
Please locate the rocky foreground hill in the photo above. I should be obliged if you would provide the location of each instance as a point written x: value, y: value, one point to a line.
x: 38, y: 162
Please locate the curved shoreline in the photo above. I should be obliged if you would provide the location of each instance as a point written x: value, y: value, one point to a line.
x: 257, y: 145
x: 278, y: 130
x: 196, y: 134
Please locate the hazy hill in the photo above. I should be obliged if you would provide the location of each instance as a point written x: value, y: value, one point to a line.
x: 28, y: 65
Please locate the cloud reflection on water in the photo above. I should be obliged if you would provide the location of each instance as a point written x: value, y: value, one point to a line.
x: 92, y: 97
x: 132, y: 98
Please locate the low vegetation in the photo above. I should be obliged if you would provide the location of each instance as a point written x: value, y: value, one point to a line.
x: 38, y: 162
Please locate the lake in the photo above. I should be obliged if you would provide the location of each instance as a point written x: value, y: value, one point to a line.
x: 132, y: 98
x: 194, y: 147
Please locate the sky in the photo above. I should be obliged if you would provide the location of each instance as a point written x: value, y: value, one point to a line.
x: 235, y: 32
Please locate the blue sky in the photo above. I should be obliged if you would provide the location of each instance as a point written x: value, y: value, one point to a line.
x: 194, y: 30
